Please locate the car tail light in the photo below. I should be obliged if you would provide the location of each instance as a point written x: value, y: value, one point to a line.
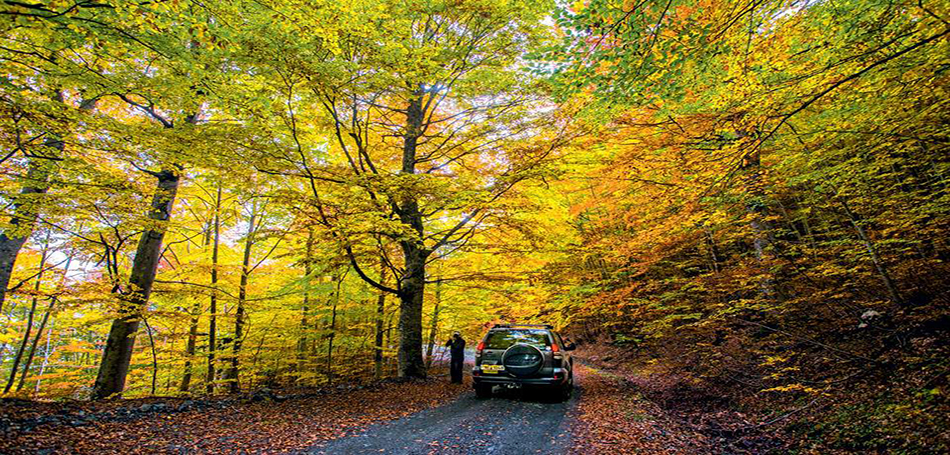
x: 554, y: 348
x: 480, y: 347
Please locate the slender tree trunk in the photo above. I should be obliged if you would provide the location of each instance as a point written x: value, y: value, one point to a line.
x: 332, y: 335
x: 232, y: 375
x: 151, y: 343
x: 389, y: 339
x: 39, y: 333
x: 29, y: 319
x: 33, y: 346
x: 118, y: 351
x: 213, y: 324
x: 869, y: 245
x: 434, y: 326
x: 713, y: 250
x: 761, y: 231
x: 380, y: 314
x: 191, y: 345
x: 809, y: 232
x: 789, y: 221
x: 46, y: 354
x: 304, y: 342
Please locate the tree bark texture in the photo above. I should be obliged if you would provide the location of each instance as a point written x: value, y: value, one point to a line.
x: 118, y: 351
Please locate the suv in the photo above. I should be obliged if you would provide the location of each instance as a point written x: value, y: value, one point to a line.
x: 515, y: 355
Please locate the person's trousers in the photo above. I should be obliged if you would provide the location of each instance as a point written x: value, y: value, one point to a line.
x: 456, y: 368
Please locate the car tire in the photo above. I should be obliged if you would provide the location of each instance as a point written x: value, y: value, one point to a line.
x: 567, y: 389
x: 513, y: 357
x: 483, y: 390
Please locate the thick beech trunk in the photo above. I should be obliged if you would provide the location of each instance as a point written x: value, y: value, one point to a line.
x: 25, y: 204
x: 25, y: 213
x: 411, y: 364
x: 412, y: 290
x: 118, y: 351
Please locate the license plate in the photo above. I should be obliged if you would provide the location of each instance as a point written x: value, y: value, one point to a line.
x: 492, y: 369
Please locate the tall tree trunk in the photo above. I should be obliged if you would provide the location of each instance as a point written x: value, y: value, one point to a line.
x: 191, y: 345
x: 304, y: 342
x: 411, y: 364
x: 25, y: 212
x: 29, y: 319
x: 118, y: 351
x: 380, y: 314
x: 39, y: 332
x: 434, y: 326
x: 389, y: 339
x: 713, y: 250
x: 232, y: 375
x: 332, y: 335
x: 213, y: 323
x: 151, y: 343
x: 33, y: 346
x: 46, y: 354
x: 412, y: 290
x: 761, y: 231
x: 869, y: 245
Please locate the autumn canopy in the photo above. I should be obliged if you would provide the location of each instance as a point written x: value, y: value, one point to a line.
x: 747, y: 199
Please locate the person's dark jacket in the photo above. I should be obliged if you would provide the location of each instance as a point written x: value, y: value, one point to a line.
x: 456, y: 345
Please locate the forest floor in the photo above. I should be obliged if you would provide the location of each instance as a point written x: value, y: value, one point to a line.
x: 610, y: 412
x: 605, y: 416
x: 257, y: 423
x: 668, y: 410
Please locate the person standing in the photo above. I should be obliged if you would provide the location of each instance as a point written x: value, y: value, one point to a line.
x: 456, y: 347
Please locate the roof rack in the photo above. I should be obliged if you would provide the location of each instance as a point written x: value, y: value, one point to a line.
x: 510, y: 326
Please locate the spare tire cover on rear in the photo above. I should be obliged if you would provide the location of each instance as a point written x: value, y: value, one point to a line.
x: 522, y: 360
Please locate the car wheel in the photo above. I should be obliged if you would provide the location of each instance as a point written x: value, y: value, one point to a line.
x: 567, y: 389
x: 483, y: 390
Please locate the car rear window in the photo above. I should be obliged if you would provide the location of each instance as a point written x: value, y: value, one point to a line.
x: 503, y: 339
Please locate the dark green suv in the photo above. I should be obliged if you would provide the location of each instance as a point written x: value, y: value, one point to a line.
x: 515, y: 355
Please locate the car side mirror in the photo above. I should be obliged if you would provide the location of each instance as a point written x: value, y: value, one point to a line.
x: 570, y: 347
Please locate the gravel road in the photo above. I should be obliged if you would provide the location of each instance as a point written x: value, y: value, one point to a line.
x: 511, y: 423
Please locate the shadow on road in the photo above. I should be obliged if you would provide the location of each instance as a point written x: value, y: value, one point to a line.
x: 529, y: 395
